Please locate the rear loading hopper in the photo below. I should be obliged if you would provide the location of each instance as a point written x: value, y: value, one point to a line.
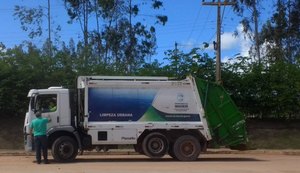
x: 226, y: 122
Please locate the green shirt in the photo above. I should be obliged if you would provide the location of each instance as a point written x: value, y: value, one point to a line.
x: 53, y: 109
x: 39, y: 126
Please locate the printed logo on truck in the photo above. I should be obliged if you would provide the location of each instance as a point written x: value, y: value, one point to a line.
x: 138, y: 104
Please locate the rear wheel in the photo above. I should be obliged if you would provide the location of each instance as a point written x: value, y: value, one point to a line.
x: 186, y: 148
x: 155, y: 145
x: 64, y: 149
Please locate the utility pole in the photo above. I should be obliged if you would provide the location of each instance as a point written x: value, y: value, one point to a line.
x: 218, y: 43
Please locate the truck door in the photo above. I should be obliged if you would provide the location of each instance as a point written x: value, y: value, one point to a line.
x: 48, y: 105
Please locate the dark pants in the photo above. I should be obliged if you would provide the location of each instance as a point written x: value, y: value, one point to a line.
x: 41, y: 143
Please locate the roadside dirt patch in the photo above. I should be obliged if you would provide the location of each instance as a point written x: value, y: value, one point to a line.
x: 11, y: 133
x: 208, y: 163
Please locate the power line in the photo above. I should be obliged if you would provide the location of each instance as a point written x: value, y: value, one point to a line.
x: 204, y: 26
x: 212, y: 37
x: 218, y: 44
x: 196, y: 20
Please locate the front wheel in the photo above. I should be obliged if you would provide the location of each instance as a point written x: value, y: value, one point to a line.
x: 186, y: 148
x: 64, y: 149
x: 138, y: 148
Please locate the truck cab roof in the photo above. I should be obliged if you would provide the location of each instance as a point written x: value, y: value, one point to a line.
x: 45, y: 91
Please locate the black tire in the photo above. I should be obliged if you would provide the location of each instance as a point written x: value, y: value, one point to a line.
x: 155, y: 145
x: 186, y: 148
x: 64, y: 149
x: 138, y: 148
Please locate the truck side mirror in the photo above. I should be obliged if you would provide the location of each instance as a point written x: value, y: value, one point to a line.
x: 34, y: 103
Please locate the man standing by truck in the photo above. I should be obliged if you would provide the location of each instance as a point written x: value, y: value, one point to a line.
x: 39, y: 128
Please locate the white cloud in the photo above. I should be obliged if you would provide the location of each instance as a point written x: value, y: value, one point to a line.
x: 245, y: 42
x: 238, y: 44
x: 2, y: 49
x: 190, y: 44
x: 229, y: 41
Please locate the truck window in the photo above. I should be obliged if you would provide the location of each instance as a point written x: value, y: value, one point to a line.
x: 47, y: 103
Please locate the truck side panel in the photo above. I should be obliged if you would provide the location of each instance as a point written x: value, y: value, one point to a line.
x: 137, y: 107
x: 142, y: 104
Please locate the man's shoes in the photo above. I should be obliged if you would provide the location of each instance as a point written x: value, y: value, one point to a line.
x: 46, y: 162
x: 39, y: 162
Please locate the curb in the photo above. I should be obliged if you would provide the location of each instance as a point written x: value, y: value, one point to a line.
x: 4, y: 152
x: 257, y: 151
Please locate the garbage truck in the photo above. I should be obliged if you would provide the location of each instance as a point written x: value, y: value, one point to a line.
x: 158, y: 116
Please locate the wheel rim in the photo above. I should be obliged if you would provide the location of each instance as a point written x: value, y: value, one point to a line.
x: 65, y: 150
x: 155, y: 145
x: 188, y: 148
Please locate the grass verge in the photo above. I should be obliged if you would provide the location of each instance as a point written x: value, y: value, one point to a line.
x: 274, y: 138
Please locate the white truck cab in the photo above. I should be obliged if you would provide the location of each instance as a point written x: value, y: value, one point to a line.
x: 52, y: 102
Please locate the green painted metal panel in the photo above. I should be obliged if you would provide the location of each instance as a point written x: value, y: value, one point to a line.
x: 226, y: 122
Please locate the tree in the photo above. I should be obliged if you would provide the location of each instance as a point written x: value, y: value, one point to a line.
x: 20, y: 71
x: 194, y: 63
x: 154, y: 69
x: 79, y: 10
x: 282, y: 33
x: 31, y: 19
x: 253, y: 7
x: 264, y: 91
x: 119, y: 41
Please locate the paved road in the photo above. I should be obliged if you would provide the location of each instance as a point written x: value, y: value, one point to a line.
x: 207, y: 163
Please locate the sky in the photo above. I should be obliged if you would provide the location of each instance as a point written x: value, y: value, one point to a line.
x: 189, y: 25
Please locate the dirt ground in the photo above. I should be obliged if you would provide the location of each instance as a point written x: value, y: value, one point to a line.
x: 207, y: 163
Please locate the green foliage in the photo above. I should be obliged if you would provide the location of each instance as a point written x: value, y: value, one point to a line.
x: 194, y: 62
x: 154, y: 69
x: 31, y: 19
x: 157, y: 4
x: 268, y: 88
x: 265, y: 91
x: 119, y: 46
x: 19, y: 73
x: 162, y: 19
x: 282, y: 34
x: 120, y: 42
